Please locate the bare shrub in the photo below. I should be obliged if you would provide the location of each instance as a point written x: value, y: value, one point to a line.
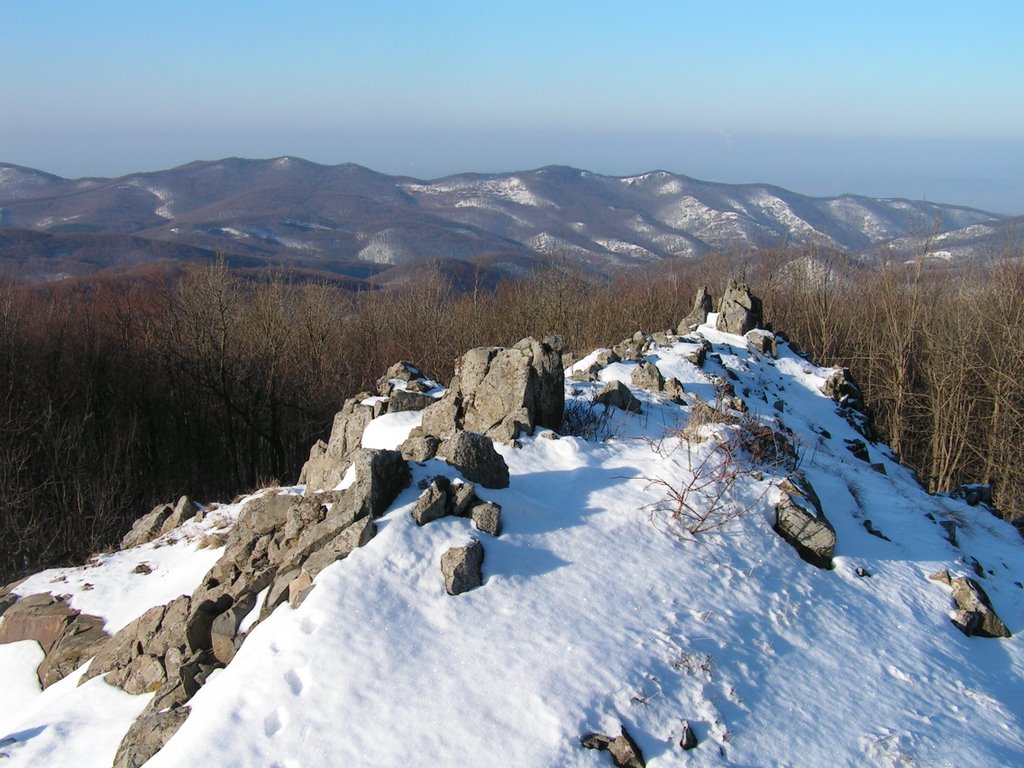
x: 706, y: 498
x: 586, y: 419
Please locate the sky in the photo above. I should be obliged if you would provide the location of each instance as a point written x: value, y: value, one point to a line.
x: 912, y: 99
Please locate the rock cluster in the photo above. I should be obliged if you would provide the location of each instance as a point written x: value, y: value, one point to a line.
x: 278, y: 544
x: 442, y: 498
x: 161, y: 520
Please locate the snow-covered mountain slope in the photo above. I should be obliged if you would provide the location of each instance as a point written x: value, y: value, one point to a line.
x: 345, y: 216
x: 599, y: 609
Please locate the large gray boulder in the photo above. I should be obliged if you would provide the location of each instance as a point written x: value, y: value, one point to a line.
x: 474, y: 456
x: 799, y: 519
x: 502, y: 393
x: 617, y: 394
x: 739, y: 311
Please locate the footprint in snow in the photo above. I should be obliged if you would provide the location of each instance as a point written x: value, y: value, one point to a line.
x: 273, y: 722
x: 294, y: 681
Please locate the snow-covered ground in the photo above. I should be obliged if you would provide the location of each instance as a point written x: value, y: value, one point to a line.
x: 594, y: 613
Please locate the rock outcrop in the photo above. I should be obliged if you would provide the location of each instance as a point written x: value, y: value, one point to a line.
x: 161, y: 520
x: 703, y: 304
x: 799, y: 519
x: 739, y: 311
x: 974, y: 615
x: 278, y: 544
x: 502, y: 393
x: 68, y: 638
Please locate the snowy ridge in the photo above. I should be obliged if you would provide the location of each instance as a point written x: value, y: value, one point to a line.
x: 597, y: 611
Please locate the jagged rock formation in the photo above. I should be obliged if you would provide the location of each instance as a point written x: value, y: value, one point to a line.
x: 703, y: 305
x: 163, y: 519
x: 279, y: 543
x: 739, y: 311
x: 502, y: 393
x: 67, y: 637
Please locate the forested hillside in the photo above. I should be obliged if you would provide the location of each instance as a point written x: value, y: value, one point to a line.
x: 119, y: 395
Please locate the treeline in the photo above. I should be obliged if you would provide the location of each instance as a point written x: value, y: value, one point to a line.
x: 117, y: 395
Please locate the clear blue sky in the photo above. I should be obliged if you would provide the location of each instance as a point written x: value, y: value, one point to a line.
x: 915, y: 99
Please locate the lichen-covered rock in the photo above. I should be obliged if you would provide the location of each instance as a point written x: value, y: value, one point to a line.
x: 420, y: 448
x: 148, y: 735
x: 975, y: 615
x: 739, y: 311
x: 462, y: 568
x: 328, y: 461
x: 799, y: 519
x: 486, y: 517
x: 474, y: 456
x: 647, y: 376
x: 617, y: 394
x: 702, y: 306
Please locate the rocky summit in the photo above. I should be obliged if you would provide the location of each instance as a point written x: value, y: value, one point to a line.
x: 686, y: 549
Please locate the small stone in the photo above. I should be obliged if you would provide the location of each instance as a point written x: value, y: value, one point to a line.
x: 461, y: 567
x: 688, y: 740
x: 486, y: 517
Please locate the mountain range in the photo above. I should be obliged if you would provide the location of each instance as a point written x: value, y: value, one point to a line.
x: 358, y: 225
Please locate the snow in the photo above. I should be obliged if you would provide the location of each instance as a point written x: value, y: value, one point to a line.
x: 594, y: 613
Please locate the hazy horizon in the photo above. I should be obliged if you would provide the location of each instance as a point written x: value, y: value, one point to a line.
x: 872, y: 100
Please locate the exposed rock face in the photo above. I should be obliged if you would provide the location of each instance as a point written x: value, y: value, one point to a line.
x: 740, y: 311
x: 461, y: 567
x: 502, y: 393
x: 279, y: 543
x: 328, y: 461
x: 624, y: 751
x: 474, y: 456
x: 647, y: 376
x: 763, y: 342
x: 68, y: 638
x: 842, y: 388
x: 617, y: 394
x: 702, y: 305
x: 148, y: 735
x: 163, y: 518
x: 975, y: 615
x: 800, y: 520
